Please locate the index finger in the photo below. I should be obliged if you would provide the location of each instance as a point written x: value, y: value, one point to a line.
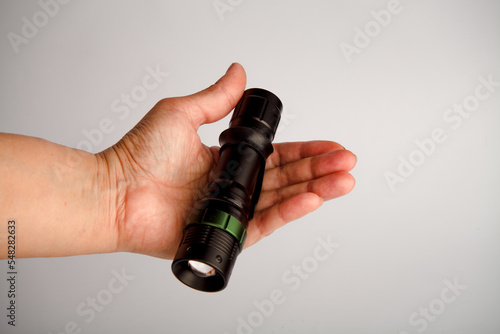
x: 285, y: 153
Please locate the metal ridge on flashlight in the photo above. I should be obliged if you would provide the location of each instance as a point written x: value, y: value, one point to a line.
x: 216, y: 228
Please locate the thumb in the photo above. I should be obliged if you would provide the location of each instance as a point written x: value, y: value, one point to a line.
x: 216, y: 101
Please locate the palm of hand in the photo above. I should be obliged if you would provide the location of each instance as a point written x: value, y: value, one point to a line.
x: 166, y: 181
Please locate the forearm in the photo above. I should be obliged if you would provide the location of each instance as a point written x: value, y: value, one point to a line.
x: 59, y: 197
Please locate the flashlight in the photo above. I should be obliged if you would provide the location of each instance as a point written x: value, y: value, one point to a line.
x: 215, y: 231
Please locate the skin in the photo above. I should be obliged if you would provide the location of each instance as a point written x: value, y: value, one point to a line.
x: 135, y: 196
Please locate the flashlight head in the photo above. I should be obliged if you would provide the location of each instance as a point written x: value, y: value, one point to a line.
x: 208, y: 250
x: 215, y: 232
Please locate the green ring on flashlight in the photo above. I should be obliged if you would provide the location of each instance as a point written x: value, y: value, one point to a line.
x: 221, y: 220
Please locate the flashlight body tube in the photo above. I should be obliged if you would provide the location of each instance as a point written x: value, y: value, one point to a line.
x: 216, y: 228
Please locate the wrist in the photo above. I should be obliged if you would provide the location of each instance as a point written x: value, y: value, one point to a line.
x: 117, y: 174
x: 110, y: 184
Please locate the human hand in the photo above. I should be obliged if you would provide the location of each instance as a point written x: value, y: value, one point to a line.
x: 159, y: 169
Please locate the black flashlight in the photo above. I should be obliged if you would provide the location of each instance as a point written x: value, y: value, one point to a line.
x: 216, y: 228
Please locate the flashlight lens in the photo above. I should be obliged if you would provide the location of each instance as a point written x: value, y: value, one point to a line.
x: 201, y: 269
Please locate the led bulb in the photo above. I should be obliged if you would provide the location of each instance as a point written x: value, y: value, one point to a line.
x: 201, y: 269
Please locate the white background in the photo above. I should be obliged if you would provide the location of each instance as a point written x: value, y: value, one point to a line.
x: 397, y: 248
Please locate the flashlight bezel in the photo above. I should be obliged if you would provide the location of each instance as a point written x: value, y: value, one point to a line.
x: 190, y: 278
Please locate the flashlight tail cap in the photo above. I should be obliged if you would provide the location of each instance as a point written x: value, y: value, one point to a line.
x: 259, y: 109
